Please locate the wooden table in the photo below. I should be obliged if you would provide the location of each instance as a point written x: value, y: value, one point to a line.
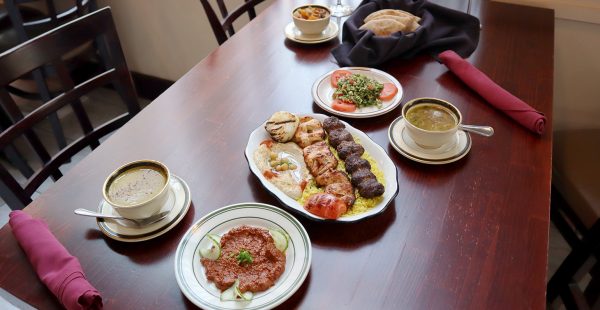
x: 472, y: 234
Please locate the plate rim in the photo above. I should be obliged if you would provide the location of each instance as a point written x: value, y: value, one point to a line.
x: 270, y: 208
x: 396, y: 103
x: 292, y: 38
x: 402, y: 152
x: 160, y: 231
x: 301, y: 210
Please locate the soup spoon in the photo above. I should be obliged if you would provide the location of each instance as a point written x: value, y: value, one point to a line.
x: 486, y: 131
x: 140, y: 222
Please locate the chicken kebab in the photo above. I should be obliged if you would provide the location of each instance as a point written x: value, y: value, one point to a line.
x: 322, y: 164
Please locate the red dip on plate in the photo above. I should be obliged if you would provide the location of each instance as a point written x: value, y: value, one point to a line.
x: 257, y: 274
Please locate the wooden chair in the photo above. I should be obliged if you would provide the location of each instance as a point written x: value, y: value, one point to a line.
x: 48, y: 48
x: 575, y: 211
x: 27, y: 23
x: 223, y: 26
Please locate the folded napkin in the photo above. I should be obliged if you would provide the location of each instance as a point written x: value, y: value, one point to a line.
x: 60, y: 271
x: 441, y: 29
x: 495, y: 95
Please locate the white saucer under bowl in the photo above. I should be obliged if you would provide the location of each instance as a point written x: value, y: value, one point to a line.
x: 445, y: 154
x: 179, y: 202
x: 294, y: 34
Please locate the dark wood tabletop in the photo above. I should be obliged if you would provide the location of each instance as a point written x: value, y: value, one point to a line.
x: 470, y: 234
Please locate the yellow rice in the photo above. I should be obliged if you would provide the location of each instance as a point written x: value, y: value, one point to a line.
x: 361, y: 204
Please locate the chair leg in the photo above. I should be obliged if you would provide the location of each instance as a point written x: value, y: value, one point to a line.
x: 13, y: 202
x: 592, y: 291
x: 560, y: 282
x: 15, y: 158
x: 559, y: 213
x: 573, y: 299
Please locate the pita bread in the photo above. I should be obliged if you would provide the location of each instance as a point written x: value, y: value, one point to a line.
x: 406, y: 20
x: 383, y: 27
x: 413, y: 26
x: 388, y: 12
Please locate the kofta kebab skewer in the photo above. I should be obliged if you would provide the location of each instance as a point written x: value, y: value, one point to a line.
x: 350, y: 151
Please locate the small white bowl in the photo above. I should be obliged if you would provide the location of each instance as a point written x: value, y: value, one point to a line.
x: 311, y: 26
x: 145, y: 208
x: 431, y: 139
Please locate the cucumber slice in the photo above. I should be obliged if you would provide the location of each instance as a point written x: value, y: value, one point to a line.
x: 230, y: 294
x: 234, y: 294
x: 244, y: 296
x: 215, y: 238
x: 212, y: 250
x: 280, y: 238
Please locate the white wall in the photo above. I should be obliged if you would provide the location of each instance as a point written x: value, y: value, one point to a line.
x: 576, y: 75
x: 165, y: 38
x: 576, y: 61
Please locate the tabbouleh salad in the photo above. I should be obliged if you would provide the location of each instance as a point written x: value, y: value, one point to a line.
x: 360, y: 90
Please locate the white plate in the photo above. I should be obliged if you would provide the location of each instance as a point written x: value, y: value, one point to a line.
x: 445, y: 154
x: 190, y: 273
x: 294, y: 34
x: 322, y: 93
x: 178, y: 202
x: 377, y: 152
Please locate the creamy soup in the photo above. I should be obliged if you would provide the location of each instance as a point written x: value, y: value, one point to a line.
x: 431, y: 117
x: 136, y: 185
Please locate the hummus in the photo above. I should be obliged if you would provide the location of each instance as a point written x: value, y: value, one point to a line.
x: 290, y: 181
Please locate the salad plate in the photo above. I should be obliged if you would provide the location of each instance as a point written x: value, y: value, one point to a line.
x: 385, y: 163
x: 322, y: 92
x: 190, y: 273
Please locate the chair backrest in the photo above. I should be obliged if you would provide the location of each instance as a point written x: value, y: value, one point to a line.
x: 53, y: 17
x: 224, y: 25
x: 49, y: 48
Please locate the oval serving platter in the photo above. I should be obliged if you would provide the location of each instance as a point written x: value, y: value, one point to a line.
x: 377, y: 152
x: 322, y: 93
x: 190, y: 273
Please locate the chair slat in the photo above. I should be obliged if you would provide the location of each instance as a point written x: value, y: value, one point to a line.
x: 53, y: 105
x: 51, y: 11
x: 15, y: 114
x: 68, y: 84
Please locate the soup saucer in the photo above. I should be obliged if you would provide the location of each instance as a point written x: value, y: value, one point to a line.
x: 447, y: 153
x: 294, y: 34
x: 178, y: 203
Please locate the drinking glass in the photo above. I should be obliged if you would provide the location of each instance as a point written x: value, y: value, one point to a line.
x: 339, y: 9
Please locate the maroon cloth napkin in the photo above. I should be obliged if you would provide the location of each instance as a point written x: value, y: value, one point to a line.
x: 495, y: 95
x: 59, y: 270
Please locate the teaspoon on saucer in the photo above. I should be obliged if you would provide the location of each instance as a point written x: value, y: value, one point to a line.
x: 486, y: 131
x: 140, y: 222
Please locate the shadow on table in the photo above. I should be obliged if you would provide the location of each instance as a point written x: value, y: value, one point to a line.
x: 294, y: 301
x: 137, y: 251
x: 350, y: 235
x: 411, y: 169
x: 296, y: 47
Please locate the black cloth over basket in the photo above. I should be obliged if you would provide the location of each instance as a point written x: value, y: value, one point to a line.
x: 441, y: 29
